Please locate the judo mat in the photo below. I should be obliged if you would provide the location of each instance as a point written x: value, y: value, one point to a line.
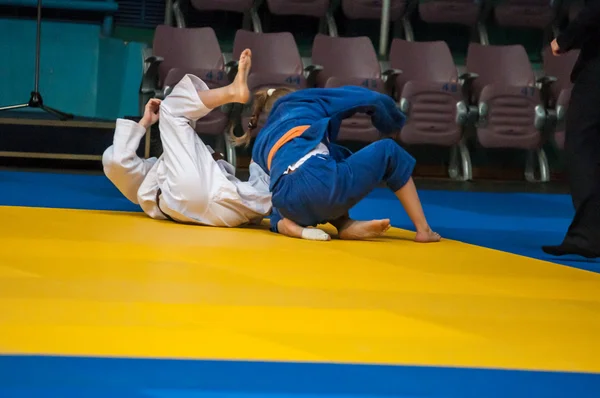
x: 98, y: 300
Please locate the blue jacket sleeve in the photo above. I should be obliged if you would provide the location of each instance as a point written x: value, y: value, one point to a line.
x: 274, y: 219
x: 337, y: 104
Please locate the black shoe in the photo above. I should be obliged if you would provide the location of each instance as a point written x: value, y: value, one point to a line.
x: 569, y: 248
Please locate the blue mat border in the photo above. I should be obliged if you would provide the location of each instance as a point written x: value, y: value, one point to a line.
x: 169, y: 378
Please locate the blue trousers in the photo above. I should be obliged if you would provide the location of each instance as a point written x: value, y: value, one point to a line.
x: 324, y: 189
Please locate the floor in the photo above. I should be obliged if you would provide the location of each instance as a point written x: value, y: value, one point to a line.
x: 98, y: 300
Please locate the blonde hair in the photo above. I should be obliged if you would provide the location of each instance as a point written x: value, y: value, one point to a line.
x: 263, y: 101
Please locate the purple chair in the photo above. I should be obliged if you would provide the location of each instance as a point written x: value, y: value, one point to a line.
x: 558, y: 72
x: 537, y: 14
x: 276, y: 62
x: 371, y: 9
x: 461, y: 12
x: 311, y: 8
x: 511, y: 112
x: 430, y: 93
x: 177, y: 52
x: 185, y: 9
x: 342, y: 61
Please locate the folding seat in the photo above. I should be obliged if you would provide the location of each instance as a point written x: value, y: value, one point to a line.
x: 179, y: 51
x: 462, y: 12
x: 276, y: 62
x: 371, y: 9
x: 312, y: 8
x: 536, y: 14
x: 184, y: 10
x: 341, y: 61
x: 431, y: 94
x: 511, y: 112
x: 557, y: 71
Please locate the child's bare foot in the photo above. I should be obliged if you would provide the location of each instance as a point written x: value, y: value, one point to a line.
x: 239, y: 87
x: 426, y: 235
x: 358, y: 230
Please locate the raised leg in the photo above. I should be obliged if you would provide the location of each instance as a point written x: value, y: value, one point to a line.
x: 190, y: 170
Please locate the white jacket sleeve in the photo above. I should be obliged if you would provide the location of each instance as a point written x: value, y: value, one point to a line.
x: 258, y: 178
x: 121, y: 164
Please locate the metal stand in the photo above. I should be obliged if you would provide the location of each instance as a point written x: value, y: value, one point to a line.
x: 36, y: 101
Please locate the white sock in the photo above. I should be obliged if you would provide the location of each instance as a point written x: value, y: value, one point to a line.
x: 315, y: 234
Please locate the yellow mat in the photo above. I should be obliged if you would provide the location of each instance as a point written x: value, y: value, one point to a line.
x: 105, y: 283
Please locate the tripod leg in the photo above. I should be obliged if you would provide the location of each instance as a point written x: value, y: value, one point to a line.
x: 57, y: 113
x: 11, y: 107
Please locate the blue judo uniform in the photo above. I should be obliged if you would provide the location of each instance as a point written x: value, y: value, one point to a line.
x: 326, y: 187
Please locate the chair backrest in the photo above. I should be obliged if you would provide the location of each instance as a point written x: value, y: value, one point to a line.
x: 275, y: 53
x: 465, y: 12
x: 345, y: 57
x: 311, y: 8
x: 501, y: 65
x: 530, y: 3
x: 371, y: 9
x: 194, y: 48
x: 423, y: 61
x: 223, y: 5
x: 525, y: 13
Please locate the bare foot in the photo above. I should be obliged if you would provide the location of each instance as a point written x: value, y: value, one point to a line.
x: 239, y: 87
x: 358, y: 230
x: 427, y: 236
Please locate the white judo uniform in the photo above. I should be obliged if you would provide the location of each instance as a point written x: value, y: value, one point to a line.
x: 185, y: 183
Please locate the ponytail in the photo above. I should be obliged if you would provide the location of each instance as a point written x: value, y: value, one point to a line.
x: 263, y: 101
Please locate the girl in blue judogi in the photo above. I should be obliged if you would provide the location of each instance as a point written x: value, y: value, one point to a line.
x: 314, y: 181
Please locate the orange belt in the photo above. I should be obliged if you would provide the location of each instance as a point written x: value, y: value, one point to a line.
x: 287, y: 137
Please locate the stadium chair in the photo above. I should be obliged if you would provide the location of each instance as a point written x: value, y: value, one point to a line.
x: 432, y: 96
x: 276, y: 62
x: 184, y: 11
x: 179, y: 51
x: 369, y: 9
x: 536, y: 14
x: 312, y: 8
x: 511, y: 111
x: 461, y: 12
x: 341, y: 61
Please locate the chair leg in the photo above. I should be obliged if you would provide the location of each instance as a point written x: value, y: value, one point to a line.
x: 256, y: 23
x: 230, y: 150
x: 483, y: 33
x: 179, y: 17
x: 409, y: 34
x: 537, y: 160
x: 460, y: 168
x: 331, y: 25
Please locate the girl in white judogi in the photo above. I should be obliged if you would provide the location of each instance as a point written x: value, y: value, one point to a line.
x: 186, y: 184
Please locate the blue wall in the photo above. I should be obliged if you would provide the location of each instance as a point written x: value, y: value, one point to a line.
x: 80, y: 71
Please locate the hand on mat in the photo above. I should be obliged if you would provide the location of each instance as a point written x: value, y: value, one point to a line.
x: 151, y: 113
